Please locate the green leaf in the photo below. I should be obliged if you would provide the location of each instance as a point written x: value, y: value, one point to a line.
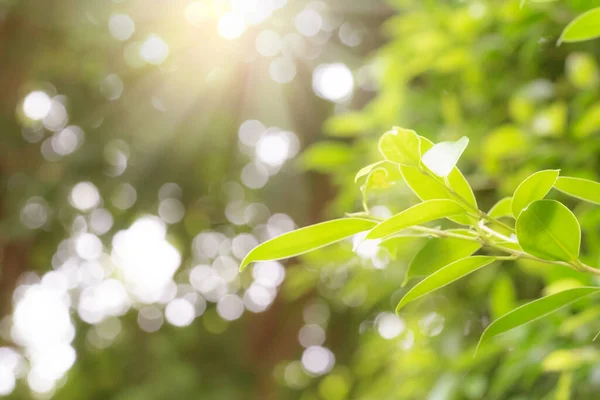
x: 589, y: 122
x: 570, y: 359
x: 391, y: 168
x: 430, y: 188
x: 501, y: 208
x: 416, y: 215
x: 533, y: 188
x: 445, y: 276
x: 584, y: 27
x: 377, y: 179
x: 502, y: 296
x: 549, y: 230
x: 326, y: 156
x: 534, y: 310
x: 580, y: 188
x: 400, y: 146
x: 305, y: 239
x: 442, y: 157
x: 438, y: 252
x: 455, y: 181
x: 354, y: 123
x: 364, y: 171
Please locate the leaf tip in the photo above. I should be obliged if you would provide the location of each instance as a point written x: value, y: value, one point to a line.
x: 245, y: 262
x: 399, y: 307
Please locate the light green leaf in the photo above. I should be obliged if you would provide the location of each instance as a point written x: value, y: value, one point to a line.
x: 445, y: 276
x: 461, y: 187
x: 501, y: 208
x: 393, y: 173
x: 438, y: 252
x: 455, y: 181
x: 430, y: 188
x: 570, y: 359
x: 364, y: 171
x: 502, y: 296
x: 584, y: 27
x: 305, y: 239
x: 400, y: 146
x: 353, y: 123
x: 533, y: 188
x: 442, y: 157
x: 580, y: 188
x: 423, y: 212
x: 589, y: 122
x: 534, y: 310
x: 377, y: 179
x: 326, y: 156
x: 549, y: 230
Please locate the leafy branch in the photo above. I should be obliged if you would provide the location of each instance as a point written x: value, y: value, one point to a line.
x: 532, y: 228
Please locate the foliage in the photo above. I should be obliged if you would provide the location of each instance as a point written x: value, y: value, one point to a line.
x: 169, y: 135
x: 545, y: 230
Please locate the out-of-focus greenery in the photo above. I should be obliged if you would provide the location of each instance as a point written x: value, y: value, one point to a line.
x: 487, y: 70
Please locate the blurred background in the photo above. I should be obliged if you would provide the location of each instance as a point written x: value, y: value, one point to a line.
x: 146, y: 146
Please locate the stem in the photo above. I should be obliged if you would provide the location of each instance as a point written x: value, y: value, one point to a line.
x: 514, y: 254
x: 480, y: 213
x: 494, y: 233
x: 496, y: 221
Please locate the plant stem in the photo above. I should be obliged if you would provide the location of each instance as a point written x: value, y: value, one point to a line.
x: 480, y: 213
x: 494, y: 233
x: 514, y: 254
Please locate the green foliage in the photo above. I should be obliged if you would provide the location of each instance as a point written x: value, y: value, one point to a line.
x: 535, y: 187
x: 438, y: 252
x: 426, y: 211
x: 534, y: 310
x: 444, y: 276
x: 584, y: 27
x: 306, y: 239
x: 549, y: 230
x: 580, y: 188
x: 546, y: 230
x: 502, y: 208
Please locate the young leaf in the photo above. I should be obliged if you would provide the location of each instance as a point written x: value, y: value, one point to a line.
x: 584, y: 27
x: 549, y: 230
x: 400, y: 146
x: 580, y: 188
x: 305, y: 239
x: 533, y: 188
x: 364, y: 171
x: 455, y: 180
x: 534, y: 310
x: 442, y: 157
x: 438, y: 252
x: 429, y: 188
x: 378, y: 179
x: 416, y: 215
x: 445, y: 276
x: 501, y: 208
